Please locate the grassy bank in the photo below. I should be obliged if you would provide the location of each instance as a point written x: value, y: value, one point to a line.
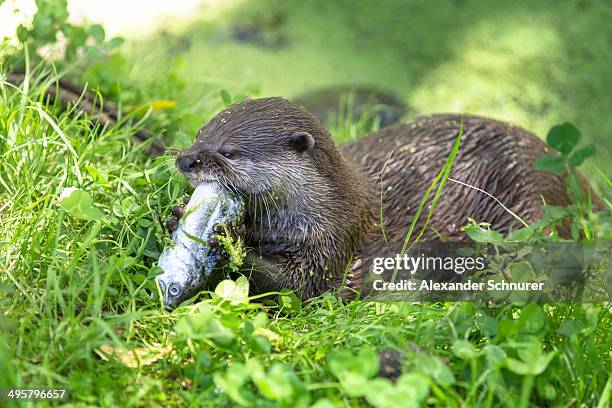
x: 75, y: 265
x: 74, y: 304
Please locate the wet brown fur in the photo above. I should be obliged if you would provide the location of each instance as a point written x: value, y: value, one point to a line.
x: 306, y: 211
x: 311, y: 213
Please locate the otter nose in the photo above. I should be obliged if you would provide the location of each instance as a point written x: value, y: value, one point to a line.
x: 188, y: 163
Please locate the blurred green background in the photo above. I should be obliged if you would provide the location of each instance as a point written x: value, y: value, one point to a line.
x: 534, y: 63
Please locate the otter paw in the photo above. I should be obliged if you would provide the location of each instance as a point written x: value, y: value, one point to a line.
x: 172, y: 224
x: 218, y: 241
x: 213, y: 243
x: 232, y: 230
x: 178, y: 211
x: 222, y: 257
x: 219, y: 229
x: 239, y: 230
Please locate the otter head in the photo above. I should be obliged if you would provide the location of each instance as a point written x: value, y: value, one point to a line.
x: 257, y: 147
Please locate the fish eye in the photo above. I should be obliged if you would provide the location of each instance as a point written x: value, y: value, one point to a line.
x: 174, y: 290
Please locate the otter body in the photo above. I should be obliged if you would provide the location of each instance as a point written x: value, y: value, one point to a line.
x: 313, y: 209
x: 402, y: 161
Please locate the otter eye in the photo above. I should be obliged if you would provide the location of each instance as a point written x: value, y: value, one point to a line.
x: 229, y: 152
x: 173, y: 290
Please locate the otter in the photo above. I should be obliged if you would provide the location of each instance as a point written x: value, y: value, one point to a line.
x: 313, y: 210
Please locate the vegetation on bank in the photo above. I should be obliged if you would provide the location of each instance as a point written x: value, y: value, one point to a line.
x: 80, y: 229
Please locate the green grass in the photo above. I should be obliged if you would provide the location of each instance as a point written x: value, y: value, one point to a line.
x: 74, y: 283
x: 531, y: 63
x: 70, y: 286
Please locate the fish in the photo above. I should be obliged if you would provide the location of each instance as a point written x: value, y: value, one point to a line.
x: 189, y: 263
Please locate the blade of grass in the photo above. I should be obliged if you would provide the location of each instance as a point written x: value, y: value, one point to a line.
x: 441, y: 177
x: 494, y: 198
x: 382, y: 192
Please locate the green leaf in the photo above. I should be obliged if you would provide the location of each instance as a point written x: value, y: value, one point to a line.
x: 380, y: 393
x: 193, y: 326
x: 232, y: 381
x: 275, y: 384
x: 554, y: 214
x: 225, y: 97
x: 22, y: 33
x: 521, y: 234
x: 408, y: 392
x: 575, y: 231
x: 364, y: 364
x: 97, y: 32
x: 219, y: 334
x: 116, y: 42
x: 79, y: 204
x: 8, y: 378
x: 235, y: 321
x: 368, y: 362
x: 582, y: 154
x: 323, y: 403
x: 563, y: 138
x: 575, y: 186
x: 517, y: 366
x: 534, y: 362
x: 571, y: 328
x: 242, y: 287
x: 290, y: 302
x: 77, y: 36
x: 479, y: 234
x: 507, y: 328
x: 494, y: 355
x: 352, y: 371
x: 353, y: 384
x: 145, y: 222
x: 486, y: 324
x: 436, y: 369
x: 521, y: 271
x: 550, y: 164
x: 205, y: 326
x: 464, y: 350
x: 545, y: 389
x: 129, y: 206
x: 260, y: 319
x: 532, y: 318
x: 417, y: 383
x: 260, y: 344
x: 236, y: 292
x: 225, y: 288
x: 97, y: 175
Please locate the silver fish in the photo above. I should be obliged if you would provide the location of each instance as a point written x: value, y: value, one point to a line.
x: 190, y: 261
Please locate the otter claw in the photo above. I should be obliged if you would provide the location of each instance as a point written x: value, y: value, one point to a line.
x: 213, y: 243
x: 172, y: 223
x: 178, y: 211
x: 240, y: 231
x: 222, y: 258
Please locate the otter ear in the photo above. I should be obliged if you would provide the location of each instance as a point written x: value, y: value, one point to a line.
x: 301, y: 141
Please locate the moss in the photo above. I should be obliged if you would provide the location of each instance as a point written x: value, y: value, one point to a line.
x: 234, y: 247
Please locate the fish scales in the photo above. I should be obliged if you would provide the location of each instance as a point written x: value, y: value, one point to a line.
x: 190, y: 261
